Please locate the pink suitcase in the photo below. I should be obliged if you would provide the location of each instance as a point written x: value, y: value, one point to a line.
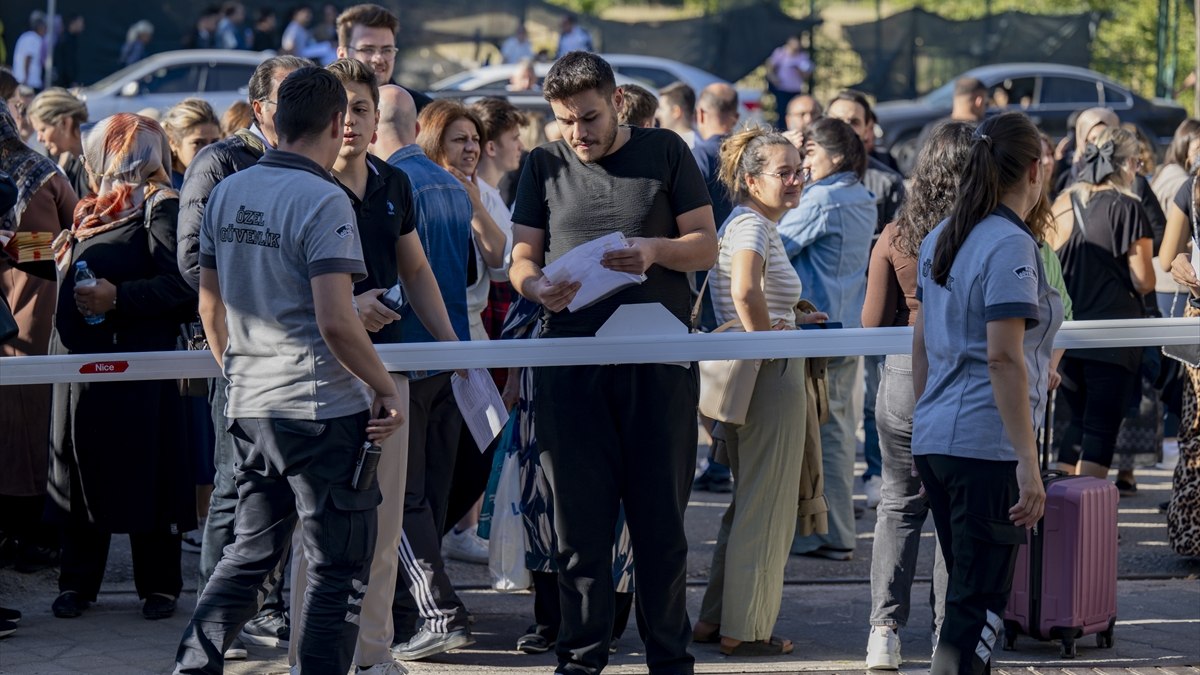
x: 1065, y: 582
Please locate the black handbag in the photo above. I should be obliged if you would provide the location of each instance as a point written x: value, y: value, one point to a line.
x: 8, y: 323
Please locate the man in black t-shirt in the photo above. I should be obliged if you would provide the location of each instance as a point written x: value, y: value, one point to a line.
x: 382, y: 197
x: 624, y: 434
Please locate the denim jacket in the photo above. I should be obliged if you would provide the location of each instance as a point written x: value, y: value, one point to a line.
x: 444, y: 226
x: 828, y: 239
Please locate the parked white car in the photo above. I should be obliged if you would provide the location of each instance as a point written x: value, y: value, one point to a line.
x: 495, y: 79
x: 218, y: 76
x: 649, y: 71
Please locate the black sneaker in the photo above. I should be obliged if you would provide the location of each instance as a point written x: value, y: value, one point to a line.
x: 10, y: 615
x: 7, y: 628
x: 533, y: 642
x: 237, y: 651
x: 158, y: 606
x: 426, y: 643
x: 706, y: 482
x: 269, y: 629
x: 69, y: 605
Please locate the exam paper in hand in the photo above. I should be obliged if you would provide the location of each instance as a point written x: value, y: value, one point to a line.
x: 481, y: 406
x: 582, y: 264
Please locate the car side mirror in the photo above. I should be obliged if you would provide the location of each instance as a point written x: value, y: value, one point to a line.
x: 131, y: 89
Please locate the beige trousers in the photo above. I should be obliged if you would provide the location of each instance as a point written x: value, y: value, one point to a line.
x: 375, y: 618
x: 745, y: 584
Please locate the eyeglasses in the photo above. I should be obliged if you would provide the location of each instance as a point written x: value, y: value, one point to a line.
x: 370, y: 52
x: 796, y: 176
x: 267, y: 100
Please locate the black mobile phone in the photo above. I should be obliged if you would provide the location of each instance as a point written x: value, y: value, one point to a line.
x: 393, y: 299
x: 826, y: 324
x: 365, y: 466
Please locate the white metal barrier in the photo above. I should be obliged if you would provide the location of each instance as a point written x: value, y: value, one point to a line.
x: 582, y: 351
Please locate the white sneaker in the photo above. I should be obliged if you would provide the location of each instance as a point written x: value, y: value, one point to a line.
x: 465, y: 546
x: 386, y: 668
x: 883, y: 649
x: 873, y: 486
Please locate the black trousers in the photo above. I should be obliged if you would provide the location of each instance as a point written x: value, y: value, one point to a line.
x: 156, y: 558
x: 611, y: 435
x: 547, y: 611
x: 969, y: 499
x: 423, y: 590
x: 292, y: 471
x: 1098, y: 402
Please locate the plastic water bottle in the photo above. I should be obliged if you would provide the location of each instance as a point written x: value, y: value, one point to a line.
x: 85, y: 278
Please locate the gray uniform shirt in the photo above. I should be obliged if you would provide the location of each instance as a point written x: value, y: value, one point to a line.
x: 268, y: 230
x: 997, y: 274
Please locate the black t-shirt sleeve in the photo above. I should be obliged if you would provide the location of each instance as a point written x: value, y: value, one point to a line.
x: 1131, y: 224
x: 1183, y: 198
x: 402, y: 196
x: 529, y: 208
x: 688, y: 189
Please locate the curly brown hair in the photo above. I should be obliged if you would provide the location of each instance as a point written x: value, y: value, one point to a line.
x: 934, y: 186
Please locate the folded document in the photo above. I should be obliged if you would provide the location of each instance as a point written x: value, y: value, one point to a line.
x: 582, y: 264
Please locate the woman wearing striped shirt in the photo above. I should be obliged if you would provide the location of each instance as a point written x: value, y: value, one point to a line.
x: 754, y: 284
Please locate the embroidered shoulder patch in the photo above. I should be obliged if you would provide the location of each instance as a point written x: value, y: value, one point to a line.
x: 344, y: 231
x: 1025, y: 272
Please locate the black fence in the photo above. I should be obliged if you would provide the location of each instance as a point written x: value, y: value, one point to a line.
x: 909, y: 53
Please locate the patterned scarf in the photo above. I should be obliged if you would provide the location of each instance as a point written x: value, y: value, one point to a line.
x: 28, y: 169
x: 130, y: 157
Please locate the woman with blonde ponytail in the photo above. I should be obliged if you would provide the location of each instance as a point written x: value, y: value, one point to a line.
x: 755, y: 287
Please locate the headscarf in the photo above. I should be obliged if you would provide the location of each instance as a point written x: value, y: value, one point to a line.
x: 1097, y: 163
x: 1088, y: 120
x: 28, y: 169
x: 129, y: 156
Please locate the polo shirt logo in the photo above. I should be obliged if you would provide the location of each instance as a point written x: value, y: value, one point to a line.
x: 926, y: 267
x: 1025, y: 272
x: 391, y: 208
x: 344, y: 231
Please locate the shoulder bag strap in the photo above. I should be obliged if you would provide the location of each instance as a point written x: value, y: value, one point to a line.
x: 1078, y: 210
x: 696, y: 306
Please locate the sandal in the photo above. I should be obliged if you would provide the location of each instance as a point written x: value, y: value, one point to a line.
x: 1126, y: 488
x: 776, y: 646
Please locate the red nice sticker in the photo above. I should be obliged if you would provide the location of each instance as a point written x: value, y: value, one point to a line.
x: 103, y: 367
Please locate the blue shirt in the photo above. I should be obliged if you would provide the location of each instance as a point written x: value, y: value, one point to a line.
x: 997, y: 274
x: 828, y: 239
x: 707, y: 152
x: 444, y: 226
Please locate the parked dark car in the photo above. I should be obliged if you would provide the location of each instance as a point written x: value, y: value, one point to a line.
x: 1049, y: 93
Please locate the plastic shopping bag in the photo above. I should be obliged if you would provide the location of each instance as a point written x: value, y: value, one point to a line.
x: 507, y: 540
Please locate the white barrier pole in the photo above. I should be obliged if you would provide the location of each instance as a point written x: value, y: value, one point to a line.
x: 582, y: 351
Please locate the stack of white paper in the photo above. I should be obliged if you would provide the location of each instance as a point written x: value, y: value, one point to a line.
x: 481, y: 406
x: 582, y: 264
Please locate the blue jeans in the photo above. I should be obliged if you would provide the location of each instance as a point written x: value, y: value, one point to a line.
x: 838, y: 447
x: 901, y: 515
x: 218, y: 529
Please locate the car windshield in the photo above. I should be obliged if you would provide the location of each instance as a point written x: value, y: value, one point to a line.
x: 942, y: 97
x: 455, y: 81
x: 116, y: 78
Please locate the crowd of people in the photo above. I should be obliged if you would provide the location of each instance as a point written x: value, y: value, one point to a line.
x: 275, y: 241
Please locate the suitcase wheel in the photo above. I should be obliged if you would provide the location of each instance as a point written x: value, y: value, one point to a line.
x: 1066, y: 649
x: 1105, y: 640
x: 1010, y: 635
